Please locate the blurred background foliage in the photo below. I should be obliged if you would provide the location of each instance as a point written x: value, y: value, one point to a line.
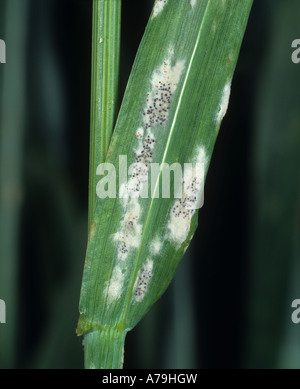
x: 229, y: 305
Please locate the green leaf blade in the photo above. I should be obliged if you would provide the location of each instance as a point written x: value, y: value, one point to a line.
x: 192, y: 51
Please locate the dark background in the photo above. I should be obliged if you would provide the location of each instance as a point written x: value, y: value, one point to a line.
x: 229, y: 305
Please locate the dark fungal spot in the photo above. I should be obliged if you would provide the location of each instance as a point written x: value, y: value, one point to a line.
x: 143, y: 281
x: 156, y: 114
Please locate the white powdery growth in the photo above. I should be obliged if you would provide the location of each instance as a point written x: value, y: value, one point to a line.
x: 155, y: 246
x: 139, y: 133
x: 183, y: 209
x: 114, y: 286
x: 139, y: 169
x: 193, y: 3
x: 158, y: 7
x: 224, y: 102
x: 164, y: 82
x: 130, y: 230
x: 143, y: 280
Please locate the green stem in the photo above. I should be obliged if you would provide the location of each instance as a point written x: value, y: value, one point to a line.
x: 104, y: 349
x: 104, y: 85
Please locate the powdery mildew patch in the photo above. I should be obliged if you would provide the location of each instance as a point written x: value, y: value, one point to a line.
x: 139, y: 133
x: 143, y: 280
x: 224, y: 102
x: 158, y: 7
x: 130, y: 230
x: 193, y: 3
x: 164, y: 82
x: 156, y: 245
x: 184, y: 208
x: 114, y: 287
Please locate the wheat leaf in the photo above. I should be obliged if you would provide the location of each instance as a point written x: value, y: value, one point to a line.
x: 176, y: 98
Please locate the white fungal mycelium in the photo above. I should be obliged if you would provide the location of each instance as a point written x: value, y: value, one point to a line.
x: 184, y: 208
x: 223, y: 106
x: 164, y: 82
x: 130, y: 230
x: 139, y: 133
x: 115, y: 285
x: 156, y: 245
x: 158, y: 7
x: 193, y: 3
x: 143, y: 280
